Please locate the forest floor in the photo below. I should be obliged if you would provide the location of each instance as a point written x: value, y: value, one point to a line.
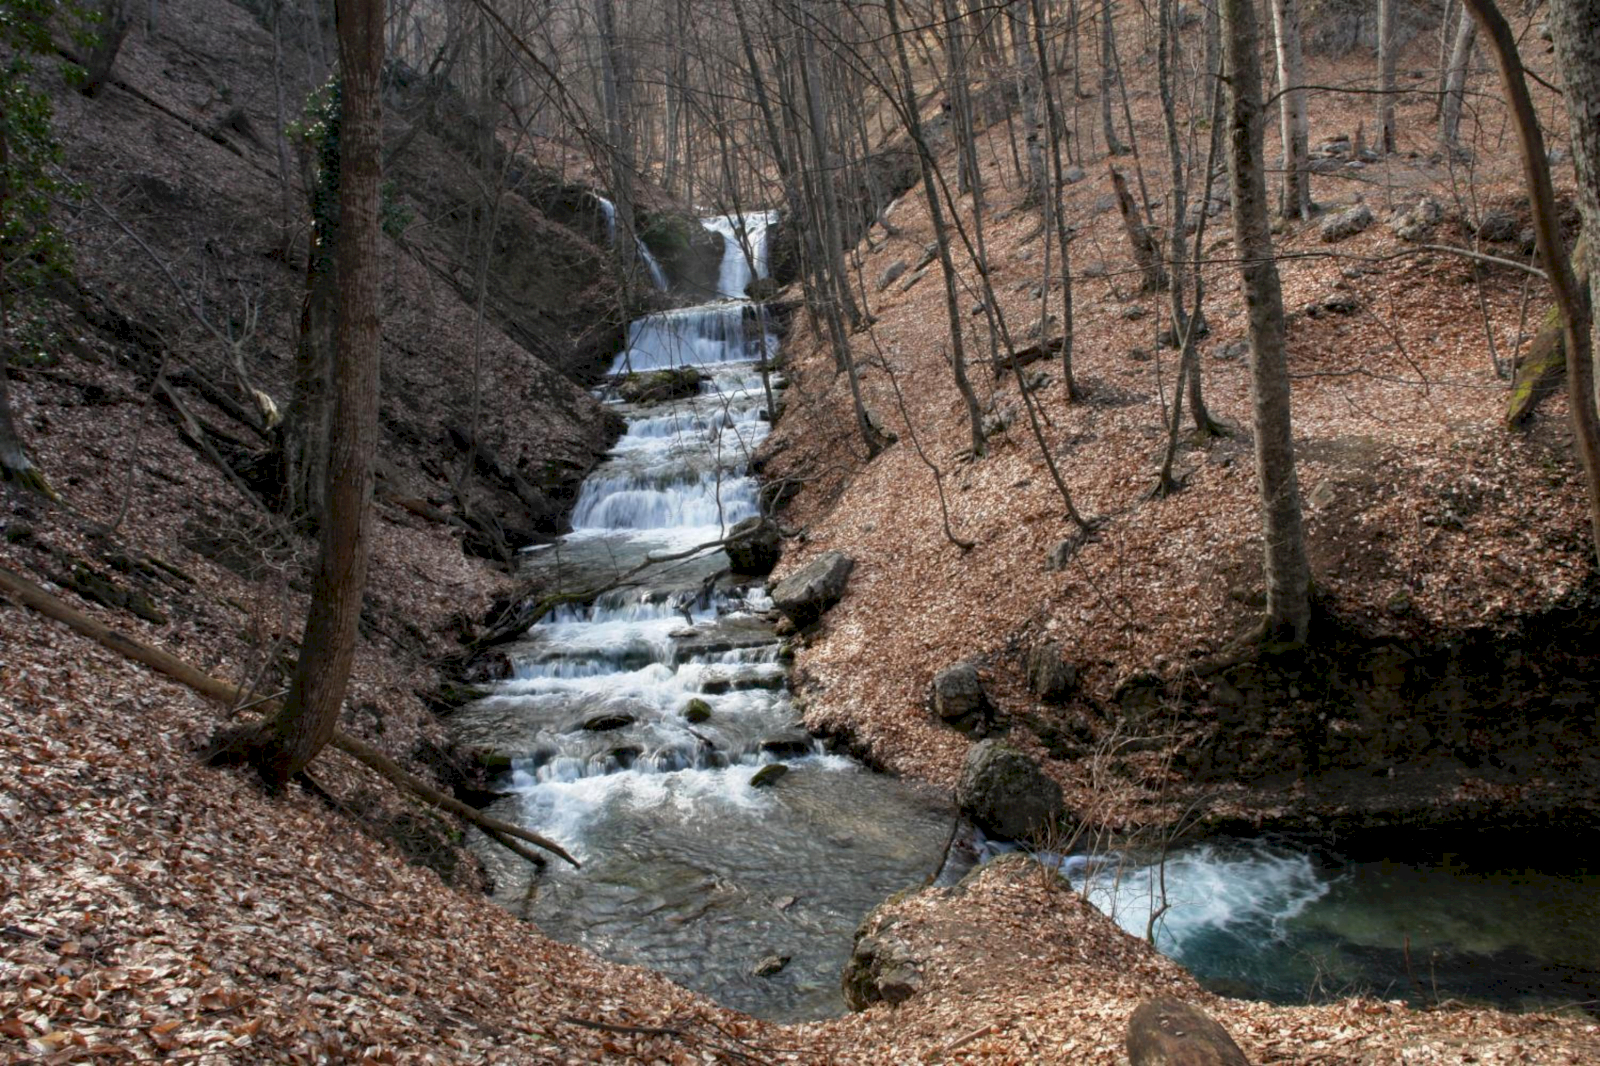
x: 152, y: 909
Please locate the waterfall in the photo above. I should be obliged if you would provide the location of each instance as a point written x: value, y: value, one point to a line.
x: 658, y: 276
x: 696, y: 336
x: 734, y: 278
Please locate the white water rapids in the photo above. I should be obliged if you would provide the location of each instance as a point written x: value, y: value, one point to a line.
x: 687, y: 867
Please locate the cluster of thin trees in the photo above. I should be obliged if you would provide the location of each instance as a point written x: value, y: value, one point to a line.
x: 830, y: 110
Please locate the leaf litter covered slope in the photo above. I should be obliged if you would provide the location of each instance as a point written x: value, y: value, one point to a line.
x: 1424, y: 514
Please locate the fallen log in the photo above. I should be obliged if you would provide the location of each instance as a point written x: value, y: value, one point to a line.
x: 31, y: 595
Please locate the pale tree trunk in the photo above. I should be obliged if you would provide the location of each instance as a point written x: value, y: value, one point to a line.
x: 1146, y: 252
x: 617, y: 97
x: 1451, y: 11
x: 1581, y: 77
x: 1288, y: 574
x: 1294, y: 126
x: 1056, y: 204
x: 1455, y: 85
x: 308, y: 717
x: 1387, y: 55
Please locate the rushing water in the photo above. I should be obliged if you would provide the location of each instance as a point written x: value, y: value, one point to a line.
x: 687, y: 867
x: 658, y: 276
x: 1272, y: 922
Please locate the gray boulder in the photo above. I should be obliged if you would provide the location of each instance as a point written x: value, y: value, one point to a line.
x: 1006, y: 793
x: 1346, y: 223
x: 805, y: 594
x: 1050, y: 676
x: 1416, y: 223
x: 958, y: 697
x: 753, y: 546
x: 881, y: 969
x: 1499, y: 226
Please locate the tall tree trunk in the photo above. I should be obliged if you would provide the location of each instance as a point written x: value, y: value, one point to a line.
x: 1056, y: 129
x: 616, y: 86
x: 1455, y: 86
x: 1387, y: 57
x: 116, y: 17
x: 1029, y: 76
x: 1295, y: 127
x: 926, y: 164
x: 1447, y: 19
x: 308, y: 717
x: 1288, y: 574
x: 1146, y: 253
x: 15, y: 465
x: 1581, y: 76
x: 1108, y: 76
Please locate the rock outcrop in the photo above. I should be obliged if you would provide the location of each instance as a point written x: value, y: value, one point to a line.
x: 807, y: 593
x: 1006, y: 793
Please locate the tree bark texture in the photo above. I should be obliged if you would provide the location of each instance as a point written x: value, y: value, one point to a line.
x: 1455, y: 84
x: 316, y: 693
x: 14, y: 462
x: 1295, y: 127
x: 1108, y: 76
x: 1288, y: 573
x: 1146, y: 252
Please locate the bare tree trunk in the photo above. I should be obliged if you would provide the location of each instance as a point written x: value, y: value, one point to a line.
x: 1056, y: 130
x: 1288, y: 574
x: 15, y: 465
x: 1108, y: 75
x: 616, y: 91
x: 1446, y: 21
x: 1146, y: 253
x: 1581, y: 75
x: 1455, y: 87
x: 1029, y: 74
x: 1387, y: 56
x: 116, y: 17
x: 308, y: 717
x: 925, y: 163
x: 1295, y: 126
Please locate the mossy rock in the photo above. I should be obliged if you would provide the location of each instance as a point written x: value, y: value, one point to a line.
x: 768, y: 775
x: 697, y: 711
x: 659, y: 386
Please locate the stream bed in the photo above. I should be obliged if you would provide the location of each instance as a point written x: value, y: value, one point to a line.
x: 635, y: 725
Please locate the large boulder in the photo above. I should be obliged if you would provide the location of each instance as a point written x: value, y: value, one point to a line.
x: 753, y: 546
x: 1006, y: 793
x: 805, y: 594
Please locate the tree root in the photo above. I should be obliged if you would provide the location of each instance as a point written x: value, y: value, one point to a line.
x: 236, y: 744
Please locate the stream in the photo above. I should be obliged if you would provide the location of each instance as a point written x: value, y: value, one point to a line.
x: 635, y: 724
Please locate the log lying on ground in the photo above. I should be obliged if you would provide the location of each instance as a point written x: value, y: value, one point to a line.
x: 1026, y: 356
x: 1170, y: 1032
x: 31, y: 595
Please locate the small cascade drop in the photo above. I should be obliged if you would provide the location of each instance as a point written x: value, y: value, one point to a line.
x: 658, y: 276
x: 738, y: 268
x: 636, y: 725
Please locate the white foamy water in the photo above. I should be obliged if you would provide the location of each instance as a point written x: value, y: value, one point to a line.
x: 742, y: 261
x: 658, y: 276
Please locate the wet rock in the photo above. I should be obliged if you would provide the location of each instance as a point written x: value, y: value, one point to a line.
x: 770, y: 966
x: 881, y: 969
x: 696, y: 711
x: 804, y: 595
x: 1050, y: 676
x: 789, y: 746
x: 1006, y: 793
x: 659, y: 386
x: 754, y: 546
x: 604, y: 723
x: 768, y: 775
x: 892, y: 273
x: 1344, y: 224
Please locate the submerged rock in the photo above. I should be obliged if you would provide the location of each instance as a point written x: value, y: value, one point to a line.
x: 770, y: 966
x: 805, y: 594
x: 1006, y: 793
x: 753, y: 546
x: 658, y: 386
x: 602, y: 723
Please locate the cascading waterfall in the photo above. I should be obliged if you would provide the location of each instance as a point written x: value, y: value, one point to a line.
x: 658, y: 276
x: 738, y: 269
x: 635, y: 724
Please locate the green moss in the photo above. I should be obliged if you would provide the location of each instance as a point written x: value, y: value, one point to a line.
x: 697, y: 711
